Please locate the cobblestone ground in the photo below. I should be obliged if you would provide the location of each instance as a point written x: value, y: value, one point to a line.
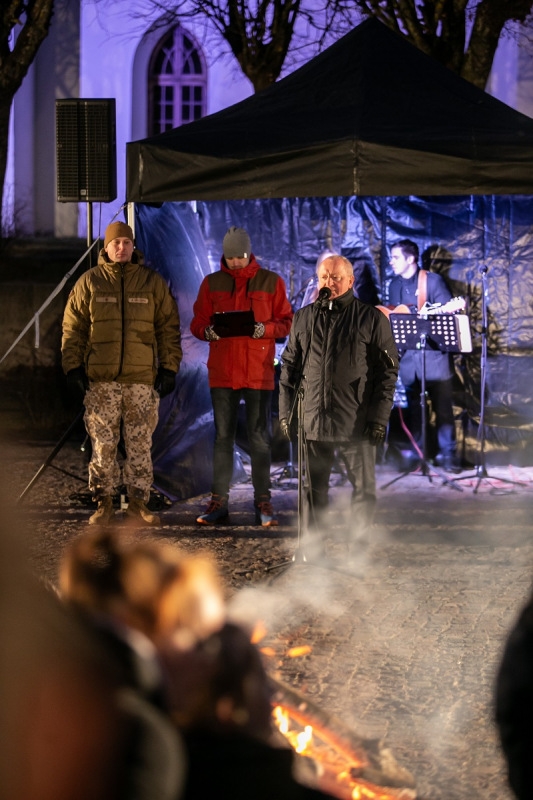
x: 404, y: 638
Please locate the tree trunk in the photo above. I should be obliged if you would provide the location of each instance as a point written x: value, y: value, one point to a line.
x: 491, y: 17
x: 5, y: 112
x: 23, y: 27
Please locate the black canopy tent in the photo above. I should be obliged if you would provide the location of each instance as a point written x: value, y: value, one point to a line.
x: 369, y: 142
x: 371, y: 115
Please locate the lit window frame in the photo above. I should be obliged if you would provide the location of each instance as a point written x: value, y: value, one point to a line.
x: 177, y: 68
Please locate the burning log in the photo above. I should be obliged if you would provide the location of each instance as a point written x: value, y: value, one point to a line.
x: 345, y: 764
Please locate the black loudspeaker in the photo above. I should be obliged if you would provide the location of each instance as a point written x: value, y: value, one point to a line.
x: 86, y: 151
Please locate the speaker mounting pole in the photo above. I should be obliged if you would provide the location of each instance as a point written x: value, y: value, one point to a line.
x: 86, y: 154
x: 89, y: 233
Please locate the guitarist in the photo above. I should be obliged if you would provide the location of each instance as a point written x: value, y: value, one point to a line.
x: 412, y: 286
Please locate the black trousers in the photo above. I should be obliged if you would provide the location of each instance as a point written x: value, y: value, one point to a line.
x: 359, y: 459
x: 440, y: 394
x: 257, y: 403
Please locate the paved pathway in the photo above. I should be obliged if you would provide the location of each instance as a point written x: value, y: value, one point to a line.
x: 405, y: 639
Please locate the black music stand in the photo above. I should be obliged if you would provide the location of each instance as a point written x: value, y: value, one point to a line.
x: 481, y: 470
x: 444, y: 332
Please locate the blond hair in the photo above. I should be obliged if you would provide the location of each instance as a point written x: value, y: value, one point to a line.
x: 149, y: 586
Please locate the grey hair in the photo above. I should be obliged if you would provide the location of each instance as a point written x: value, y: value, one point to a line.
x: 334, y: 260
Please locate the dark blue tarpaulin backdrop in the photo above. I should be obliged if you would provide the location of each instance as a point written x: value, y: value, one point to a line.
x: 456, y: 236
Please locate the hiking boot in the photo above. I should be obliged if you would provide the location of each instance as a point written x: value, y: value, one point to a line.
x: 216, y: 511
x: 105, y: 513
x: 138, y: 510
x: 264, y: 513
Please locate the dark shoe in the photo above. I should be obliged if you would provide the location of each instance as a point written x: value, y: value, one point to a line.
x: 264, y: 513
x: 104, y: 514
x: 217, y: 510
x: 138, y: 510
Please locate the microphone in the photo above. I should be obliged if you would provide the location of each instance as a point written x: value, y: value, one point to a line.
x: 323, y: 296
x: 483, y: 270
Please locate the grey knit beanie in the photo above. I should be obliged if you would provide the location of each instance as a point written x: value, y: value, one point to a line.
x: 236, y: 244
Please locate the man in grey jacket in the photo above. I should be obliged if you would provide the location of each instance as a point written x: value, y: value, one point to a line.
x: 342, y: 355
x: 121, y: 350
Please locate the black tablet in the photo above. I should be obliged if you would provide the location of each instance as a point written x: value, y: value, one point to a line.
x: 233, y: 323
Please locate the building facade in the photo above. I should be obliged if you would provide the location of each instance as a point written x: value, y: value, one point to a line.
x: 160, y: 75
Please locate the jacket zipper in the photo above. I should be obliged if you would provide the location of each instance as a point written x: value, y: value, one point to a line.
x: 123, y: 314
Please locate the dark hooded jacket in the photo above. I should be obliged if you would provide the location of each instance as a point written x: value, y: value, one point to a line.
x: 350, y: 369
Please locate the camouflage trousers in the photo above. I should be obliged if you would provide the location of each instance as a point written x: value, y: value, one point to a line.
x: 106, y: 406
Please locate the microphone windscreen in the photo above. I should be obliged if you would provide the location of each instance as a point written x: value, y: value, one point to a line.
x: 324, y: 294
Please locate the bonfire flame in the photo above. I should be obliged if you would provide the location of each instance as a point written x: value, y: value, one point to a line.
x: 341, y: 767
x: 258, y: 634
x: 345, y: 765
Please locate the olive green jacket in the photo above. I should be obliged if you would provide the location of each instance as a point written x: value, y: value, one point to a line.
x: 121, y: 323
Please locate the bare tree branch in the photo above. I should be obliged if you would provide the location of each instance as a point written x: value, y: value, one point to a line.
x: 461, y: 34
x: 266, y: 37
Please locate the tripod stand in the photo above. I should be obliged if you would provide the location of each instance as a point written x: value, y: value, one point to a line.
x: 53, y: 454
x: 412, y: 332
x: 287, y: 472
x: 481, y: 470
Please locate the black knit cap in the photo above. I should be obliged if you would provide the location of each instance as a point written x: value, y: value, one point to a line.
x: 236, y: 243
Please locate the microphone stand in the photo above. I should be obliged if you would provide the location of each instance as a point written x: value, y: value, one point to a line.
x: 297, y: 406
x: 481, y: 469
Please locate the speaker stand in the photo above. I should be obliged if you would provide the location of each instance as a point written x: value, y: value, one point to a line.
x: 89, y: 233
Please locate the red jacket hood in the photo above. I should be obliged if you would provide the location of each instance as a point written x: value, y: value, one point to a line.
x: 244, y: 273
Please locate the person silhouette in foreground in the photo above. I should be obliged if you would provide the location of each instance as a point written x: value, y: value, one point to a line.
x: 514, y: 703
x: 139, y: 600
x: 222, y: 706
x: 71, y: 726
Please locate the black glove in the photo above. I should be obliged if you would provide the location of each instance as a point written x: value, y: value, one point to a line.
x: 165, y: 381
x: 375, y: 433
x: 285, y: 428
x: 77, y: 382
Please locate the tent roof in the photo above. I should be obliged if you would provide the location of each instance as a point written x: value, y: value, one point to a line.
x: 371, y: 115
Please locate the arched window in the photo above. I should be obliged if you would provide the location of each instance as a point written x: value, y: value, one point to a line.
x: 177, y: 82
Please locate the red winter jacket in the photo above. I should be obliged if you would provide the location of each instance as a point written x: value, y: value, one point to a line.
x: 240, y: 362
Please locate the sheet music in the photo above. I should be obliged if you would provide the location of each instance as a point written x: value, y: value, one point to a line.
x: 449, y: 333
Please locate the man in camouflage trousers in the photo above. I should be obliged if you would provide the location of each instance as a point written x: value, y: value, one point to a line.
x: 121, y: 351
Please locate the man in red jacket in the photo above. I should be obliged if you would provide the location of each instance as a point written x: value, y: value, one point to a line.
x: 241, y: 365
